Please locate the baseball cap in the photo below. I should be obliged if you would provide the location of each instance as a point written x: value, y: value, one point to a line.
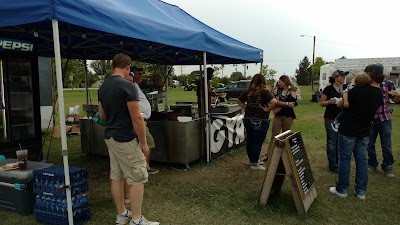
x: 339, y: 72
x: 375, y: 68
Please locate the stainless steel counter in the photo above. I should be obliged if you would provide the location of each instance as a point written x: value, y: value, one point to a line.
x: 176, y: 142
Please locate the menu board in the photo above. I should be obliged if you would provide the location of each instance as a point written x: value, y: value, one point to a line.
x: 300, y: 163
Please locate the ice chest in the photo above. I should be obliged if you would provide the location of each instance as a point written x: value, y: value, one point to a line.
x: 16, y: 187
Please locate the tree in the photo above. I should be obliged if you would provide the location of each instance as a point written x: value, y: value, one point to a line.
x: 235, y: 76
x: 75, y: 69
x: 303, y: 72
x: 317, y: 67
x: 101, y: 68
x: 269, y: 74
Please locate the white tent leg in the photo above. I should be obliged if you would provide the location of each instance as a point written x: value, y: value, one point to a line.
x: 64, y: 151
x: 166, y: 87
x: 207, y: 116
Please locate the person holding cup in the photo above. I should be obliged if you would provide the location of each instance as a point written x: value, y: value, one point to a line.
x: 335, y: 90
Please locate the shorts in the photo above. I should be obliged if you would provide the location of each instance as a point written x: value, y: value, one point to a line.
x: 127, y: 160
x: 149, y: 137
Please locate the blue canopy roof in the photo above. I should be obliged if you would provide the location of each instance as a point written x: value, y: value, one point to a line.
x: 149, y: 30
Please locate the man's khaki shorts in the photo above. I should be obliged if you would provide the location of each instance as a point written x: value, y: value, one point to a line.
x: 149, y: 137
x: 127, y: 160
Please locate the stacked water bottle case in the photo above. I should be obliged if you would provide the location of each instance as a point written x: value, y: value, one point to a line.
x: 51, y: 200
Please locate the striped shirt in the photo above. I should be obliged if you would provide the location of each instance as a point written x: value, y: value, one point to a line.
x: 384, y: 112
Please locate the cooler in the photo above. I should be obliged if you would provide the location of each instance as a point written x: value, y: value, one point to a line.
x: 16, y: 187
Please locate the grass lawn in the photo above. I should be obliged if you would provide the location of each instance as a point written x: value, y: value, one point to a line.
x: 226, y: 191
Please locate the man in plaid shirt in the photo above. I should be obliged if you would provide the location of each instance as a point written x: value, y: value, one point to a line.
x: 382, y: 125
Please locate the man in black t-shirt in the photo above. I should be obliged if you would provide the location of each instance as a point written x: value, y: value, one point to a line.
x: 354, y: 136
x: 125, y: 137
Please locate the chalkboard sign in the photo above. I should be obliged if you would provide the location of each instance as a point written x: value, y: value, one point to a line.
x: 288, y: 149
x: 300, y: 163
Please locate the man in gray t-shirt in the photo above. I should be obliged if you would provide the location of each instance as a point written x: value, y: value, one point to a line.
x: 125, y: 139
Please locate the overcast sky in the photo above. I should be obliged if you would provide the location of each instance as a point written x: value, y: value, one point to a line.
x: 350, y: 28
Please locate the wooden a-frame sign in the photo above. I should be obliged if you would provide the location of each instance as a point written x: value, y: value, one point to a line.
x: 288, y: 158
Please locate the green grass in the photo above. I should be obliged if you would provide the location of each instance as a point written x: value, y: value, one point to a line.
x: 225, y: 191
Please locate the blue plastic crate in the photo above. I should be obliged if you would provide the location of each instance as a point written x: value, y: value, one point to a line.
x: 50, y: 181
x: 55, y: 219
x: 57, y: 172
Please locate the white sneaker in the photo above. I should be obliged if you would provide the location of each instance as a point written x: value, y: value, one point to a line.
x: 123, y: 219
x: 361, y: 197
x: 335, y: 126
x: 144, y: 221
x: 258, y: 167
x: 333, y: 191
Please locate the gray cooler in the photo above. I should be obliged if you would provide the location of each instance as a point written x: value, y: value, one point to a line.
x: 16, y: 187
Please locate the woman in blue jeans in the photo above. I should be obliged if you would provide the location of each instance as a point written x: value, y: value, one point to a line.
x: 354, y: 136
x: 328, y: 100
x: 257, y: 101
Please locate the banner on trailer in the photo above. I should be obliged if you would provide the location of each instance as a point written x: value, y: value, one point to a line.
x: 227, y: 131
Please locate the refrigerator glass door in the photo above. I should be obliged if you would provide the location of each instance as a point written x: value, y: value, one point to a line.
x: 21, y: 112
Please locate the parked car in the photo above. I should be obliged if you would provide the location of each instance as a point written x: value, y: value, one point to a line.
x: 175, y: 84
x: 234, y: 89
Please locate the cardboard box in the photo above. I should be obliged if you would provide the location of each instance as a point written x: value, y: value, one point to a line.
x: 74, y: 129
x: 73, y: 118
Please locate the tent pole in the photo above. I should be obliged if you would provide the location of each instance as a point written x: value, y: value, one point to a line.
x: 64, y: 151
x: 261, y: 67
x: 206, y: 104
x: 86, y: 82
x: 166, y: 87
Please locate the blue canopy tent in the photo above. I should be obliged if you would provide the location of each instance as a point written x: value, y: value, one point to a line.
x: 150, y: 31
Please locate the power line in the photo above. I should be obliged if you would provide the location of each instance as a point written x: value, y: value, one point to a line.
x: 340, y: 43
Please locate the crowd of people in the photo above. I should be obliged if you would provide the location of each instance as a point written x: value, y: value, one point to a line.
x: 354, y: 116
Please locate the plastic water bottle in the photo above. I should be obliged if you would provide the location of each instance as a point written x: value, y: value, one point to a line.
x: 84, y: 199
x: 44, y: 205
x: 59, y: 206
x: 38, y: 202
x: 64, y: 207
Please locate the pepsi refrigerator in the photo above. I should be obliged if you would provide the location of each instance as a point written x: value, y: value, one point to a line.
x: 20, y: 121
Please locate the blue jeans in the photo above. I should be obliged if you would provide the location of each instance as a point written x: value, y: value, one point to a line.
x: 347, y: 146
x: 331, y: 146
x: 256, y: 131
x: 385, y: 133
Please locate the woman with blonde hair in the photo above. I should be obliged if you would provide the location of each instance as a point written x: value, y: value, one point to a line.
x: 257, y: 101
x: 286, y: 96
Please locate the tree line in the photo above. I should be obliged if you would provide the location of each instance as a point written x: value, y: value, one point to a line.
x: 101, y: 69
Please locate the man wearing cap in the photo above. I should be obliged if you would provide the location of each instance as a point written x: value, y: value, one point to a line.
x: 382, y: 125
x: 125, y: 139
x: 145, y: 107
x: 329, y: 98
x: 353, y: 139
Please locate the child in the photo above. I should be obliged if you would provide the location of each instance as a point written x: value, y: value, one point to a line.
x: 360, y: 80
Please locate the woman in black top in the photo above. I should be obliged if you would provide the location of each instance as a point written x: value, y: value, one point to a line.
x: 258, y: 102
x: 286, y: 96
x: 329, y: 98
